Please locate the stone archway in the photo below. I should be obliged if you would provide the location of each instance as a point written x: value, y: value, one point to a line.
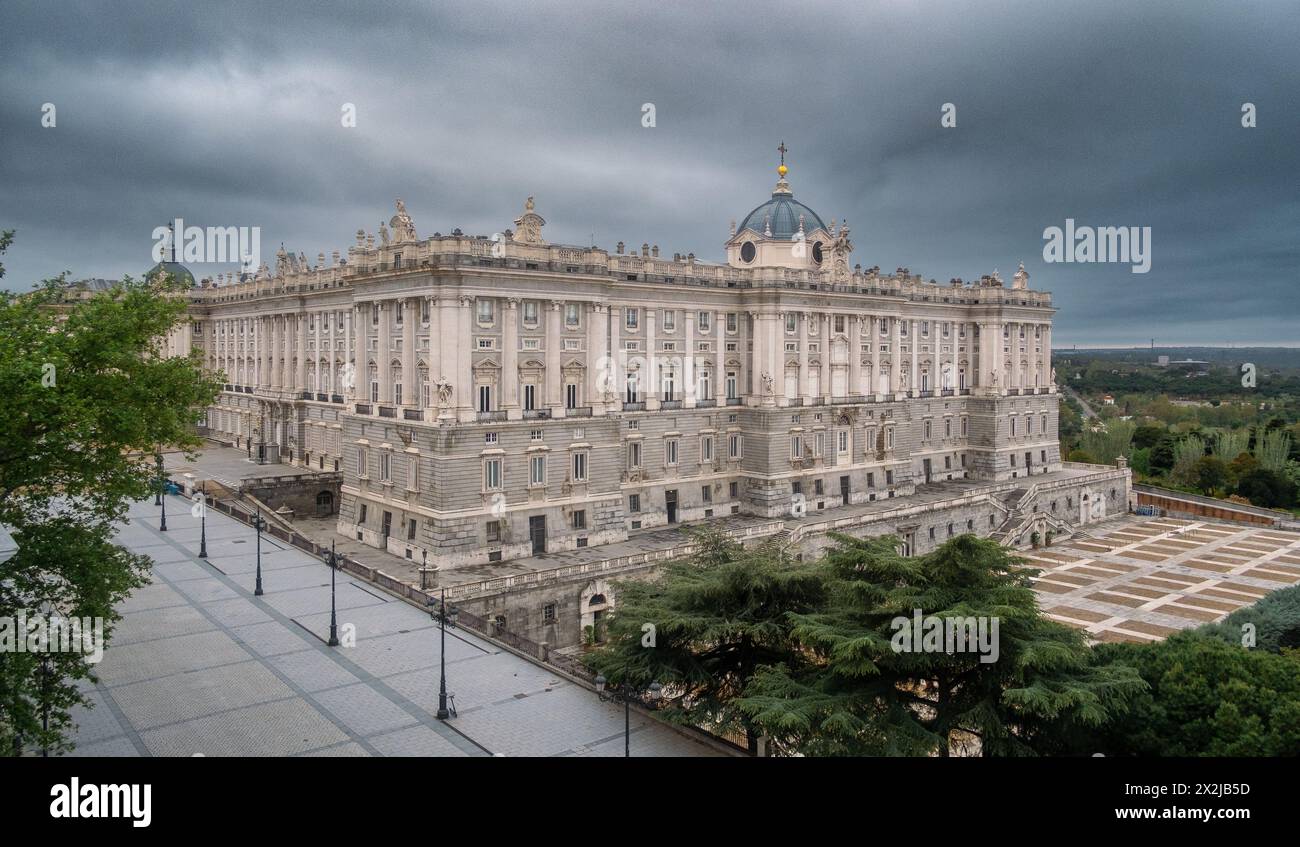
x: 594, y: 603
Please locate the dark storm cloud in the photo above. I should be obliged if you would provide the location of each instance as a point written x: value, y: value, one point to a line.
x: 1112, y: 114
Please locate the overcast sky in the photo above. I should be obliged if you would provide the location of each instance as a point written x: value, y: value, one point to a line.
x: 1113, y: 114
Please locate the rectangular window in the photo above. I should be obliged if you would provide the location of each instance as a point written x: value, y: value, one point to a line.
x: 632, y: 318
x: 839, y: 323
x: 537, y: 470
x: 706, y: 448
x: 363, y: 462
x: 530, y: 397
x: 548, y: 613
x: 486, y: 311
x: 571, y: 315
x: 704, y: 320
x: 735, y: 445
x: 530, y: 311
x: 731, y: 321
x: 634, y: 503
x: 670, y: 320
x: 580, y: 519
x: 634, y: 454
x: 492, y: 474
x: 579, y: 467
x: 410, y: 530
x: 385, y: 467
x: 706, y: 494
x: 791, y: 322
x: 796, y: 447
x: 570, y: 396
x: 670, y: 451
x: 485, y: 398
x: 362, y: 517
x: 489, y: 438
x: 734, y: 490
x: 493, y: 530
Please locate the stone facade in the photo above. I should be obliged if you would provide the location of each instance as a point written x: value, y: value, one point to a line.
x: 488, y: 398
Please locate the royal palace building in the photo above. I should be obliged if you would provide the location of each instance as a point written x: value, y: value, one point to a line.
x: 487, y: 398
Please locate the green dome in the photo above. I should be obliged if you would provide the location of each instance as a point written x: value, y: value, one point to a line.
x: 178, y: 272
x: 782, y: 214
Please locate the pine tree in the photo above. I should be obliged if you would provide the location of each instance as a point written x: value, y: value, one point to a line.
x: 714, y: 619
x: 856, y: 694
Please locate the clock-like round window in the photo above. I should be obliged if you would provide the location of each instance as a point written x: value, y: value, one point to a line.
x: 817, y: 252
x: 748, y: 252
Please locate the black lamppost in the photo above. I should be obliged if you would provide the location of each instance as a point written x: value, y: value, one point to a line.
x: 162, y: 498
x: 259, y: 525
x: 157, y: 496
x: 446, y: 619
x: 626, y: 695
x: 203, y: 525
x: 424, y: 568
x: 333, y: 560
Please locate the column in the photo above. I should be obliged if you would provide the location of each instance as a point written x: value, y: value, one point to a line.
x: 302, y: 348
x: 360, y: 369
x: 774, y: 355
x: 605, y: 339
x: 1047, y: 357
x: 596, y: 366
x: 914, y: 377
x: 510, y: 360
x: 410, y: 376
x: 826, y: 387
x: 325, y: 374
x: 751, y: 385
x: 1013, y: 332
x: 272, y: 353
x: 687, y: 372
x: 652, y: 386
x: 554, y: 400
x: 463, y: 341
x: 383, y: 357
x: 855, y: 355
x: 805, y: 372
x: 720, y: 360
x: 896, y: 356
x: 873, y: 362
x: 447, y: 317
x: 435, y: 352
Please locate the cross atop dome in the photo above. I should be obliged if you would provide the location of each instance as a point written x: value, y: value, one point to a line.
x: 782, y: 187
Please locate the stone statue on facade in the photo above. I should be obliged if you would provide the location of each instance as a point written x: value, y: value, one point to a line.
x: 767, y: 383
x: 528, y: 226
x: 383, y: 234
x: 444, y: 392
x: 403, y: 226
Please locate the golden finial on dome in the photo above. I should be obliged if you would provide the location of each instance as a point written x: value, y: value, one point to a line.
x: 782, y: 169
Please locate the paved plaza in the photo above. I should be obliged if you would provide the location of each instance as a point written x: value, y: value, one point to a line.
x: 199, y: 665
x: 1142, y: 579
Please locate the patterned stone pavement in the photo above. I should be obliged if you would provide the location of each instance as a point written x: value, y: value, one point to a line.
x: 1142, y: 579
x: 199, y: 665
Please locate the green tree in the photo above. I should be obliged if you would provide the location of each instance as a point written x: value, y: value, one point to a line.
x: 1187, y: 456
x: 1206, y: 697
x: 1267, y: 489
x: 1272, y: 448
x: 715, y: 617
x: 1211, y: 474
x: 858, y: 695
x: 87, y: 398
x: 1147, y: 435
x: 1107, y: 444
